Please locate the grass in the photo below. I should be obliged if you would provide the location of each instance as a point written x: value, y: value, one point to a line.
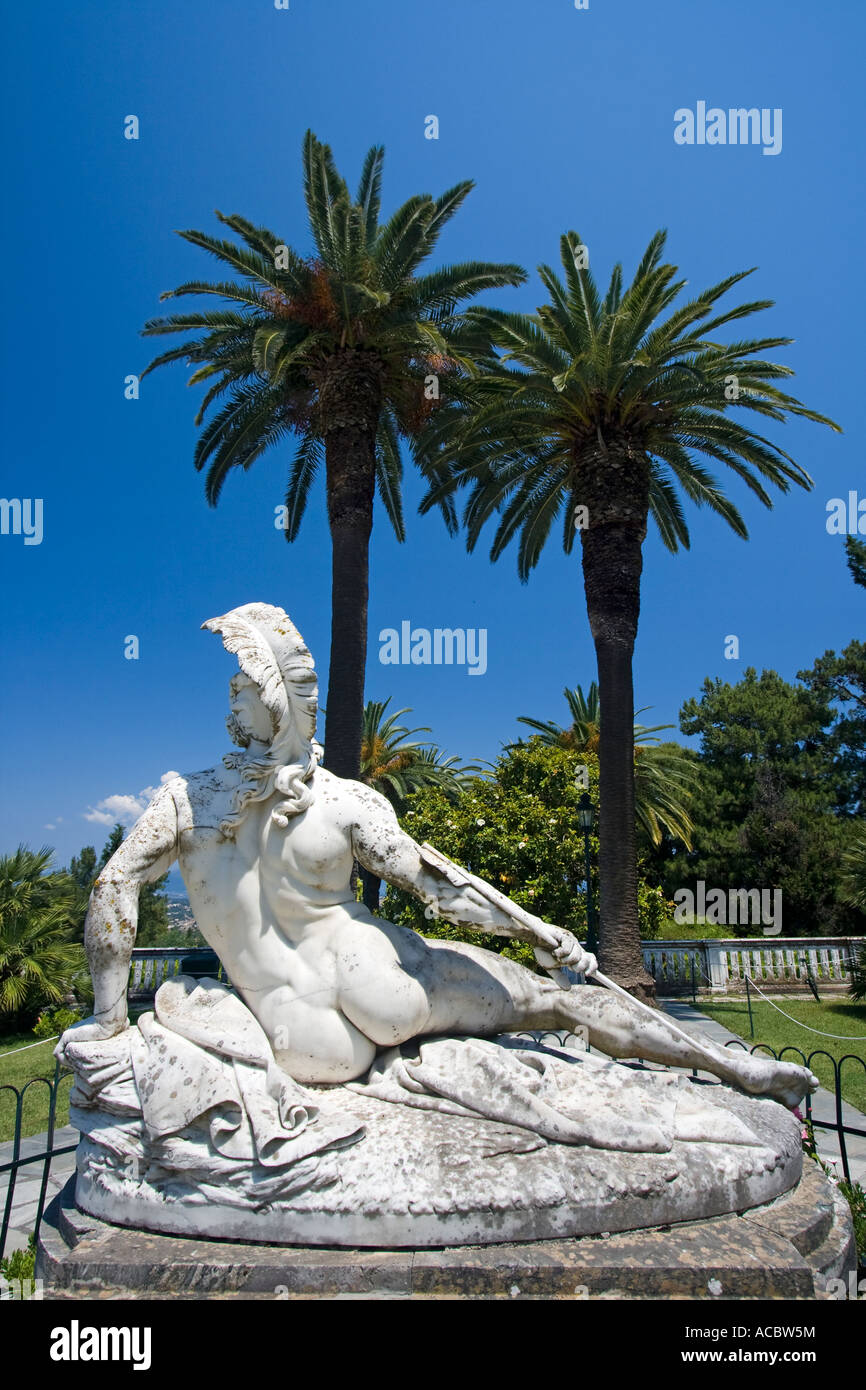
x: 16, y: 1071
x: 26, y: 1066
x: 830, y: 1016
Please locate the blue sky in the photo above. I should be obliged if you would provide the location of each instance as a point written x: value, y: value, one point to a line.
x: 564, y: 119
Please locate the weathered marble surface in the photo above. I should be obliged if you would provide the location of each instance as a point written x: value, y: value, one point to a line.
x: 451, y: 1141
x: 565, y: 1098
x: 191, y: 1102
x: 425, y: 1179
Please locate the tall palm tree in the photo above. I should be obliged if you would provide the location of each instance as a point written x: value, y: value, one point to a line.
x: 664, y: 776
x: 345, y: 349
x: 38, y: 959
x: 395, y: 764
x: 600, y: 423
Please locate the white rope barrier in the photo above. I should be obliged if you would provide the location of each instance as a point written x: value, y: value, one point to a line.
x: 27, y: 1046
x: 838, y: 1037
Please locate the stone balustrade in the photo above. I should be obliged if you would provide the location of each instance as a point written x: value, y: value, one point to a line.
x: 152, y: 965
x: 777, y: 964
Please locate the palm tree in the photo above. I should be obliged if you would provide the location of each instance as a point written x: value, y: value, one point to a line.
x: 852, y: 887
x: 600, y: 423
x: 396, y: 765
x: 664, y: 776
x: 38, y: 960
x: 583, y: 732
x: 345, y: 349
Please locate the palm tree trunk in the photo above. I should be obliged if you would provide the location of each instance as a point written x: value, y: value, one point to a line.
x: 350, y: 397
x: 345, y: 700
x: 612, y: 564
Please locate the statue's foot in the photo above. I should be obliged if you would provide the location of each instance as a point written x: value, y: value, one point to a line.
x: 782, y: 1081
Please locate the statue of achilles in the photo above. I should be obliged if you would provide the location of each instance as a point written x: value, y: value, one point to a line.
x: 266, y: 843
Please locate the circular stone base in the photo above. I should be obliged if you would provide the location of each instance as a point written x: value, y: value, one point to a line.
x: 788, y: 1249
x: 425, y: 1179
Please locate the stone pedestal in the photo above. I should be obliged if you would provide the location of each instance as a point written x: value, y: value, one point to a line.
x: 422, y: 1178
x: 786, y: 1249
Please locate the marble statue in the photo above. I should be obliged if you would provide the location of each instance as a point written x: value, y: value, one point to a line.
x: 344, y: 1039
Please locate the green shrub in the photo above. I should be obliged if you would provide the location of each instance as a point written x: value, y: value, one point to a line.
x: 653, y: 909
x: 518, y: 830
x: 696, y: 929
x: 855, y: 1196
x: 853, y: 1192
x: 54, y: 1021
x: 19, y: 1267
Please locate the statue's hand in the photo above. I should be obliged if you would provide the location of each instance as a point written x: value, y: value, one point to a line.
x: 568, y: 952
x: 92, y: 1030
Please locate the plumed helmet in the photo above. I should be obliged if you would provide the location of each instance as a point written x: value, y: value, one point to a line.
x: 271, y: 651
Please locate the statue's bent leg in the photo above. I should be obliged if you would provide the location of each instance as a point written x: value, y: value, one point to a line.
x: 614, y: 1025
x: 396, y: 985
x: 621, y: 1029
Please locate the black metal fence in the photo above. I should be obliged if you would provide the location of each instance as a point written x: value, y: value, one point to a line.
x: 837, y: 1126
x: 44, y: 1156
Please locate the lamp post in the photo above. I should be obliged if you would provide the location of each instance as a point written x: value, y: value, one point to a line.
x: 585, y: 819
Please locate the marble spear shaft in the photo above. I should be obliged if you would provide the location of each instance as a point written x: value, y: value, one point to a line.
x: 461, y: 877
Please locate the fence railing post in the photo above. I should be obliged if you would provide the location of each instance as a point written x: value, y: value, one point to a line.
x: 717, y: 965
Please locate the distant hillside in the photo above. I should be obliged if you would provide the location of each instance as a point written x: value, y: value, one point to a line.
x: 180, y: 916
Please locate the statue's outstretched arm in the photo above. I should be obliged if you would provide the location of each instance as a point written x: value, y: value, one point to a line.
x: 112, y: 916
x: 384, y: 848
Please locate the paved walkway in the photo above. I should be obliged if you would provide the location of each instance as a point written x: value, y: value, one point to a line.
x: 691, y: 1020
x: 25, y: 1199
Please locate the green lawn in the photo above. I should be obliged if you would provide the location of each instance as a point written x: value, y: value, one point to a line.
x: 830, y: 1016
x: 17, y: 1071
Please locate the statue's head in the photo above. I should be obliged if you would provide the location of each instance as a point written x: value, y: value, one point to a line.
x: 274, y: 703
x: 249, y: 721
